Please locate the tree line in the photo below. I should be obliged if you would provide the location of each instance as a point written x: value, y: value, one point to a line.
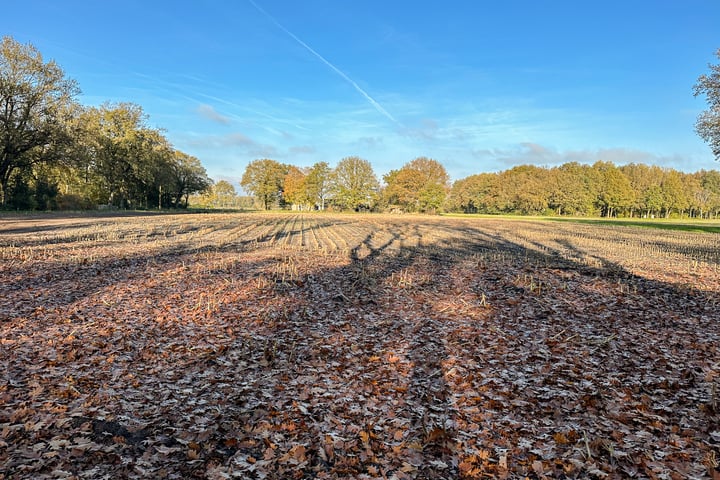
x: 419, y: 186
x: 423, y: 186
x: 56, y: 153
x: 601, y: 189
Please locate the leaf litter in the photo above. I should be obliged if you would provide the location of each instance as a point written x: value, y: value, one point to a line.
x: 244, y: 346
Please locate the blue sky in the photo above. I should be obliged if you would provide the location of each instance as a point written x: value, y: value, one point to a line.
x: 478, y: 85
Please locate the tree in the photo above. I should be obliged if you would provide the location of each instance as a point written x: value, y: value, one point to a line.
x: 653, y: 199
x: 420, y: 185
x: 673, y: 193
x: 525, y: 189
x: 614, y: 191
x: 355, y: 185
x: 697, y: 198
x: 432, y: 197
x: 220, y: 194
x: 571, y: 189
x: 76, y: 171
x: 265, y: 179
x: 645, y: 182
x: 472, y: 194
x: 223, y: 194
x: 131, y: 160
x: 317, y: 183
x: 708, y: 122
x: 188, y: 177
x: 295, y: 188
x: 710, y: 182
x: 35, y: 99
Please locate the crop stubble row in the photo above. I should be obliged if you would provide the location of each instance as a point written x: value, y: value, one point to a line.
x: 78, y: 239
x: 172, y: 275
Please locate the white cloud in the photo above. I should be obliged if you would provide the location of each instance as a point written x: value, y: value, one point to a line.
x: 236, y: 140
x: 370, y: 142
x: 427, y: 130
x: 529, y: 153
x: 208, y: 112
x: 302, y: 149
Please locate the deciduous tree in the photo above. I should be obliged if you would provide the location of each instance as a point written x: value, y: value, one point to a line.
x: 708, y: 123
x: 295, y: 190
x: 473, y: 194
x: 317, y: 183
x: 264, y: 179
x: 710, y: 181
x: 614, y: 190
x: 354, y: 184
x: 673, y: 193
x: 645, y: 182
x: 35, y: 101
x: 223, y: 194
x: 420, y: 185
x: 188, y: 177
x: 525, y: 189
x: 571, y: 189
x: 131, y: 159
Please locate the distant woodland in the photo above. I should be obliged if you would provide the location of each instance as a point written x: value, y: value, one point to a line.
x: 58, y: 154
x: 423, y: 186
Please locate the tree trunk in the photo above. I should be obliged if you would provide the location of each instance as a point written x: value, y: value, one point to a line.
x: 4, y: 180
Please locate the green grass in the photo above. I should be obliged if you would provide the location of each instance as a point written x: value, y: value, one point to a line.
x: 686, y: 225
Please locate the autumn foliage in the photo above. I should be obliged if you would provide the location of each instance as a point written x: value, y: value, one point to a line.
x: 319, y: 346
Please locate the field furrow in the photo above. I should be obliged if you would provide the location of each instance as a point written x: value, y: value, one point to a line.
x: 316, y: 345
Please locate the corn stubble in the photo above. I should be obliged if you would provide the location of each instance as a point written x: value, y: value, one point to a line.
x: 351, y: 346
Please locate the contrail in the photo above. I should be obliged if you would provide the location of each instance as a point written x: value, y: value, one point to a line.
x: 357, y: 87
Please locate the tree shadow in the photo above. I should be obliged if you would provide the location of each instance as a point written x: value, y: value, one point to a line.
x: 549, y: 357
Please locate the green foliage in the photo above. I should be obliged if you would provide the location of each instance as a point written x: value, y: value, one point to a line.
x: 265, y: 179
x: 19, y: 189
x: 419, y: 186
x: 653, y: 199
x: 432, y: 197
x: 56, y: 154
x: 221, y: 195
x: 674, y: 196
x: 645, y: 182
x: 584, y: 190
x: 122, y: 162
x: 186, y: 176
x: 473, y: 194
x: 710, y: 188
x: 571, y: 189
x: 708, y: 123
x: 35, y: 98
x: 614, y: 192
x: 317, y: 184
x: 354, y: 184
x: 524, y: 190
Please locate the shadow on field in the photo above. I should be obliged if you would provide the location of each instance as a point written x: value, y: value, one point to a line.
x: 566, y: 354
x: 60, y: 283
x: 625, y: 334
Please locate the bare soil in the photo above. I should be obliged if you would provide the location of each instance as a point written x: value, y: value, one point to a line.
x: 356, y: 346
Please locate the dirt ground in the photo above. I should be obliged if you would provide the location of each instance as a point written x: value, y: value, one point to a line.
x: 356, y: 346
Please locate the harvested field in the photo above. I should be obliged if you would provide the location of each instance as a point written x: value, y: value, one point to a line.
x: 356, y: 346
